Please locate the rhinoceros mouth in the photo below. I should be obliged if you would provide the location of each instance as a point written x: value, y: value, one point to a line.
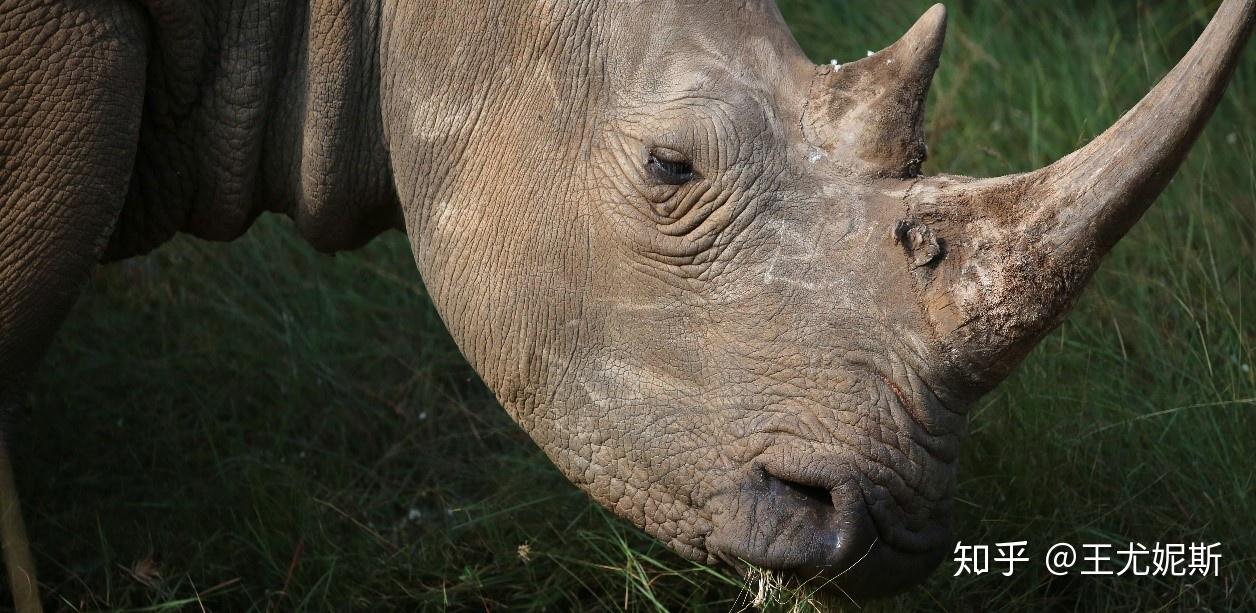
x: 821, y: 529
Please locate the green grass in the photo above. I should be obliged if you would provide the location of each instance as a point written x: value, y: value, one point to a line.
x: 258, y: 427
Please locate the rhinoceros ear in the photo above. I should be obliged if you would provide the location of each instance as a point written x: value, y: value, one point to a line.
x: 1020, y: 248
x: 870, y: 113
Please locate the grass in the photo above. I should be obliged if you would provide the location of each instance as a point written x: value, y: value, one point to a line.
x: 258, y: 427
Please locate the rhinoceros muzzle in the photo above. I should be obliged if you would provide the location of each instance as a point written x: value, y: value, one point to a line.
x: 825, y: 535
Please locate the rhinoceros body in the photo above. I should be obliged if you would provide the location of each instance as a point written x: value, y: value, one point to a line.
x: 702, y: 272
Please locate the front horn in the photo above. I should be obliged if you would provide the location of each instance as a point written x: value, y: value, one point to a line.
x: 1020, y: 248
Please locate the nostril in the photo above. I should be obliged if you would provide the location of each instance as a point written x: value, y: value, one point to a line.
x: 815, y: 521
x: 801, y: 491
x: 810, y: 492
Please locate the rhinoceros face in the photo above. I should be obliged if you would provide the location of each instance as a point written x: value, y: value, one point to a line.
x: 706, y: 277
x: 756, y: 388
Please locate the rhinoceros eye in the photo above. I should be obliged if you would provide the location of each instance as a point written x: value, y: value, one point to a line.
x: 669, y: 167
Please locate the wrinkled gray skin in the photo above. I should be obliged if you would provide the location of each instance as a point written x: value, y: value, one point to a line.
x: 768, y: 361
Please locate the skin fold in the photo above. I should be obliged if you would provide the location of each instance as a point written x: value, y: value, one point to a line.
x: 703, y: 273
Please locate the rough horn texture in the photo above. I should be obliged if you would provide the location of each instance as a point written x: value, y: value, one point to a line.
x: 1020, y: 248
x: 874, y: 108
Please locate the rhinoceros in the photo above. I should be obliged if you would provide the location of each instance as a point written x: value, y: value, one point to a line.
x: 705, y: 274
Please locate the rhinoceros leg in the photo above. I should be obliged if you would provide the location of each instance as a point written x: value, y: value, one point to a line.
x: 71, y: 94
x: 17, y: 554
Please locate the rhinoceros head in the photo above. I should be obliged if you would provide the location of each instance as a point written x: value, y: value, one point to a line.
x: 708, y: 278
